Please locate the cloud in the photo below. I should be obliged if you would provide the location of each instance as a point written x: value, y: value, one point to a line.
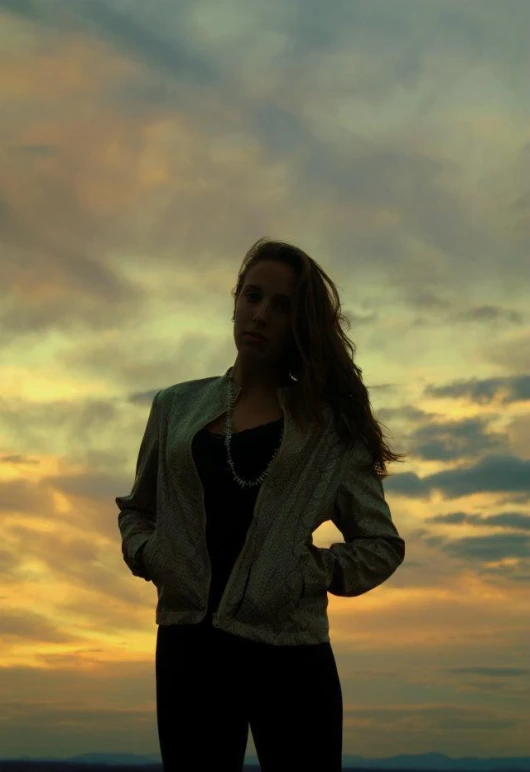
x: 145, y: 146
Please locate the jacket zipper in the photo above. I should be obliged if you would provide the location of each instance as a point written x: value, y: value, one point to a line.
x: 204, y: 516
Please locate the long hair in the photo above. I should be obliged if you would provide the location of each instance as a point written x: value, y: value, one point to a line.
x: 319, y: 360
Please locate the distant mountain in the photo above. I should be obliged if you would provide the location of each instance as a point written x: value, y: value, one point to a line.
x: 420, y: 761
x: 438, y: 761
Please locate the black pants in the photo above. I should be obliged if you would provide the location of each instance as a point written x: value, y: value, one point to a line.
x: 211, y: 686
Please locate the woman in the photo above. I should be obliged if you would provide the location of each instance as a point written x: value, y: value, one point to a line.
x: 234, y: 474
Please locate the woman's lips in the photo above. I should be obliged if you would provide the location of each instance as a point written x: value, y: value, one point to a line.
x: 255, y: 338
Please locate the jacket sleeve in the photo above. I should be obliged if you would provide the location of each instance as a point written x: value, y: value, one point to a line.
x: 372, y: 548
x: 137, y: 518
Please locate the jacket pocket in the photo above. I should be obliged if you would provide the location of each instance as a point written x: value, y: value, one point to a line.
x: 272, y: 599
x: 313, y: 576
x: 148, y: 556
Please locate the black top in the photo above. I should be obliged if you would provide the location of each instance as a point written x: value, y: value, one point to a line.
x: 229, y: 507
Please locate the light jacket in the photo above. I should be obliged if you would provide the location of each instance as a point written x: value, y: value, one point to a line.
x: 197, y: 530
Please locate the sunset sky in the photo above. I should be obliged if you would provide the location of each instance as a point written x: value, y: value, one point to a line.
x: 144, y: 147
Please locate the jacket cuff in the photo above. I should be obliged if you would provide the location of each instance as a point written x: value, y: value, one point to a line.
x: 134, y: 548
x: 329, y: 562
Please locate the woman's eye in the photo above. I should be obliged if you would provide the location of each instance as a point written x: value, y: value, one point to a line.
x: 284, y: 304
